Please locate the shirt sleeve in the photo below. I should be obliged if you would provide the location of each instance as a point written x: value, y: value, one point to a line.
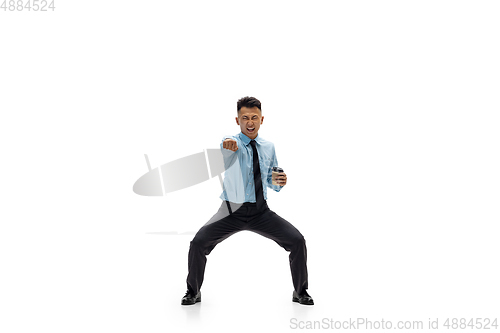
x: 274, y: 163
x: 233, y: 187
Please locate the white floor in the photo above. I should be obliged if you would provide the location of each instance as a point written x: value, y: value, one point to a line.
x: 103, y: 279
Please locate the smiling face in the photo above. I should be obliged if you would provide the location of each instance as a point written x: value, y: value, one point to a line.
x: 248, y: 119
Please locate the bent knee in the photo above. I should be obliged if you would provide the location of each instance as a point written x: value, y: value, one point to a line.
x: 198, y: 241
x: 299, y: 240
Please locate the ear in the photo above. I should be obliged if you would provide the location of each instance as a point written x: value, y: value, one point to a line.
x: 262, y: 120
x: 237, y: 121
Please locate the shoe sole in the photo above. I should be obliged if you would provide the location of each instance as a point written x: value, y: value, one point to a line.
x: 197, y: 300
x: 296, y: 300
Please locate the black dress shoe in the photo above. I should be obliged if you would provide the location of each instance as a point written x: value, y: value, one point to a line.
x: 190, y: 299
x: 303, y: 298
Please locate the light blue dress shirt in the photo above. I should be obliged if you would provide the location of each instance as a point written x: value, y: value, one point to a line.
x: 239, y: 184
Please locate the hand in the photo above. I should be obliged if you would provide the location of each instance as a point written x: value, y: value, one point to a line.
x: 281, y: 179
x: 230, y: 144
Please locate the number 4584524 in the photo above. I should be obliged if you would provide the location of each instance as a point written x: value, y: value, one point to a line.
x: 27, y: 5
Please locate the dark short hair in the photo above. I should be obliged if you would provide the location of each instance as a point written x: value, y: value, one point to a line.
x: 248, y: 102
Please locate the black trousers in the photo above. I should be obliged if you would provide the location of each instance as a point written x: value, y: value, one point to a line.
x: 232, y: 218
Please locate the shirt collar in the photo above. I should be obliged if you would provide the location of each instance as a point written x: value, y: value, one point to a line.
x: 246, y: 140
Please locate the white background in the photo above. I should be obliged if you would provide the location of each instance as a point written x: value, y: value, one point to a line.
x: 384, y: 115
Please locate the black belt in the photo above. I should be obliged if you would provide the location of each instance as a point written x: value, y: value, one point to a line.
x: 245, y: 204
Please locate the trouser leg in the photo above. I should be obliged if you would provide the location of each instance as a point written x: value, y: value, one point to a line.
x: 273, y: 226
x: 219, y: 227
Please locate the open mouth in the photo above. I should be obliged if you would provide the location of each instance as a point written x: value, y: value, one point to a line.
x: 251, y: 129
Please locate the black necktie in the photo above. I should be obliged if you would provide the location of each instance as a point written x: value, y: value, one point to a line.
x: 259, y: 194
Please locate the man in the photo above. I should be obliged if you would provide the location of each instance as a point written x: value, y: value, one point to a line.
x: 249, y: 160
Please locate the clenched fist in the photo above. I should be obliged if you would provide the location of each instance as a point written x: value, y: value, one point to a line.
x: 230, y: 144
